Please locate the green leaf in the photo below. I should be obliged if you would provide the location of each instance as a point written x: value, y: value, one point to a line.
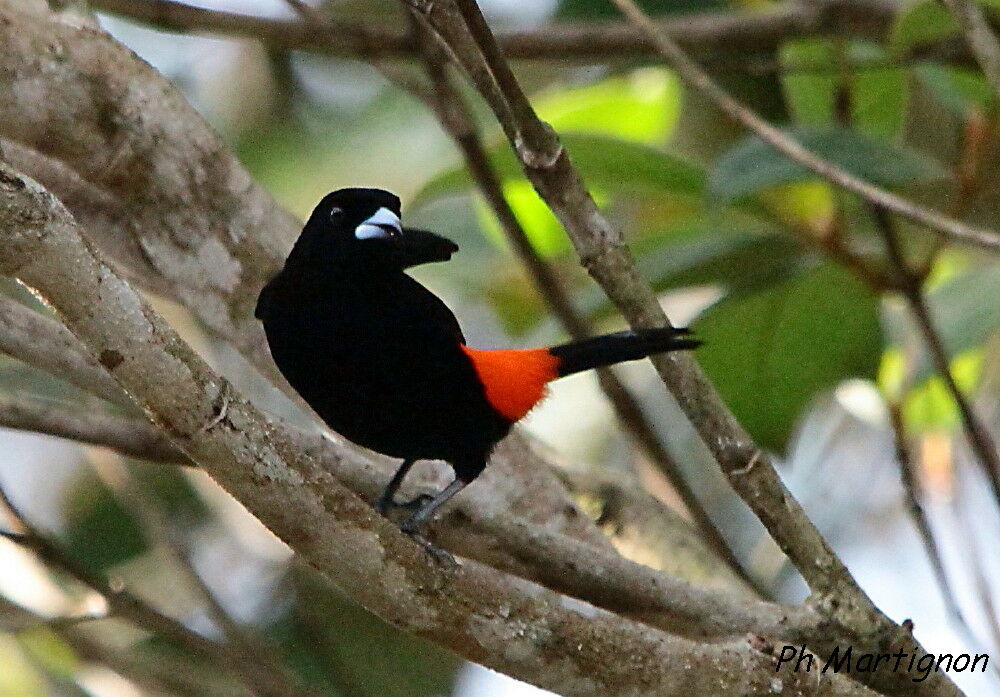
x: 642, y: 106
x: 878, y: 95
x: 100, y: 533
x: 542, y: 227
x: 608, y: 163
x: 922, y: 22
x: 753, y: 165
x: 817, y: 69
x: 966, y: 309
x: 957, y: 88
x: 771, y: 352
x: 810, y: 94
x: 737, y: 263
x: 342, y: 649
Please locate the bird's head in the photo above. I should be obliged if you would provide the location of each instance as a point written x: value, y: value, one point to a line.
x: 362, y: 227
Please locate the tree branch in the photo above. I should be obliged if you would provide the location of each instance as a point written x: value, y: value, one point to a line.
x: 128, y: 436
x: 601, y: 250
x: 909, y: 284
x: 980, y: 37
x: 47, y: 345
x: 472, y: 610
x: 712, y: 34
x: 690, y: 72
x: 455, y: 117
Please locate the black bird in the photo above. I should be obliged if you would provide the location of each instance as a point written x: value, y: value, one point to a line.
x: 383, y: 360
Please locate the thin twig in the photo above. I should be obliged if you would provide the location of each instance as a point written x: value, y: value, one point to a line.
x: 909, y: 285
x: 608, y: 260
x: 913, y: 494
x: 694, y: 75
x: 981, y: 39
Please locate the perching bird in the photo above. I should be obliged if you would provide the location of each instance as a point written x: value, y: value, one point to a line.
x: 383, y: 360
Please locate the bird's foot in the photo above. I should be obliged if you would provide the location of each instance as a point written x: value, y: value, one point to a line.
x: 441, y: 556
x: 385, y: 504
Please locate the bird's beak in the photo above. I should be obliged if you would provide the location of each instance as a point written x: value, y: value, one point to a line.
x: 423, y: 247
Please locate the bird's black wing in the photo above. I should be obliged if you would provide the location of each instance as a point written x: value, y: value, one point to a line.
x: 431, y: 309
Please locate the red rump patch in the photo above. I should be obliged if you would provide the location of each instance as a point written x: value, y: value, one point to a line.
x: 514, y: 379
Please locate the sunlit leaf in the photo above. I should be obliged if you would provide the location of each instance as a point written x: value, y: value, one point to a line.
x: 769, y: 353
x: 607, y: 163
x: 878, y: 96
x: 753, y: 165
x: 642, y: 106
x: 541, y: 226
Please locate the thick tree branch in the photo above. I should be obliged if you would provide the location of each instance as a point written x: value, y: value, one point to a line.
x: 160, y: 194
x: 491, y: 544
x: 471, y: 609
x: 535, y: 553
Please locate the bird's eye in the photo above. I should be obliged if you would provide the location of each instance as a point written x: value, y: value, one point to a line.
x: 336, y: 214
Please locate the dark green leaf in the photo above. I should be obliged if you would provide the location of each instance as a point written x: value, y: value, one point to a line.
x: 342, y: 649
x: 100, y: 533
x: 753, y: 165
x: 771, y: 352
x: 957, y: 88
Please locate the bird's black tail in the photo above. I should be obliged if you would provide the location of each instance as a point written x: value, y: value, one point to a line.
x: 604, y: 350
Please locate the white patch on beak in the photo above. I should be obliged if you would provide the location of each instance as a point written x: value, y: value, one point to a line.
x: 382, y: 225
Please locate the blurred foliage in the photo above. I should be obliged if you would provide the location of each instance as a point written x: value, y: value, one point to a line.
x: 312, y: 637
x: 720, y: 223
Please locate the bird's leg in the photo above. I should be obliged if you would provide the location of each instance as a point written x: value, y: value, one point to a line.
x: 412, y: 524
x: 385, y: 501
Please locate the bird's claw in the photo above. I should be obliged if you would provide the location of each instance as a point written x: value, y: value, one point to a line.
x: 384, y: 504
x: 441, y: 556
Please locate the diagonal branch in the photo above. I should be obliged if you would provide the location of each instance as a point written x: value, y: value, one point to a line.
x: 980, y: 37
x: 529, y: 633
x: 601, y: 250
x: 909, y: 284
x: 694, y: 75
x: 455, y: 116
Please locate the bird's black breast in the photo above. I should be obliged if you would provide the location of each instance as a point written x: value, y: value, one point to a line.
x: 380, y: 361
